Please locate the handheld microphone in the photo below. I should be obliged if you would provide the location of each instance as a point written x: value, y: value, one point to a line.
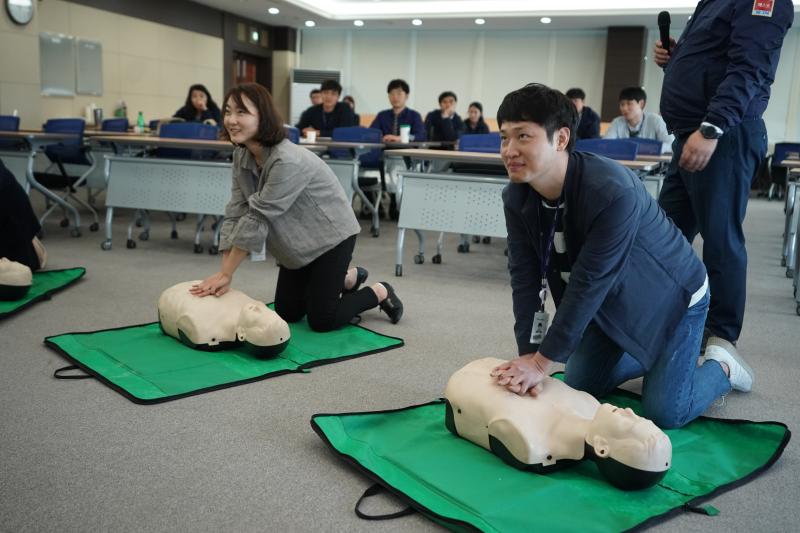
x: 663, y: 28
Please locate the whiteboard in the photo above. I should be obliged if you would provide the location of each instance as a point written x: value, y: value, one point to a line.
x: 89, y: 67
x: 57, y: 64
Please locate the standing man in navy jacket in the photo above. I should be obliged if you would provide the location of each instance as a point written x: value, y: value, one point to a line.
x: 631, y: 294
x: 717, y: 81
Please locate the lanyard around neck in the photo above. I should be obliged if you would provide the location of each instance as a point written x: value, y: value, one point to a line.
x: 546, y: 248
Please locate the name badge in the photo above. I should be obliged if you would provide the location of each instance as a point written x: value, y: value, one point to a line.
x: 763, y: 8
x: 260, y: 256
x: 541, y: 321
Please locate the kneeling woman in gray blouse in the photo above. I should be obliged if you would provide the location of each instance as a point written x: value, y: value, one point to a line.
x: 285, y: 195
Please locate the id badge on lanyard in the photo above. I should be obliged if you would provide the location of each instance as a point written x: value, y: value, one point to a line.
x: 541, y: 319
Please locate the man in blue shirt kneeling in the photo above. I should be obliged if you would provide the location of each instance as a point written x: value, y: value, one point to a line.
x: 630, y: 293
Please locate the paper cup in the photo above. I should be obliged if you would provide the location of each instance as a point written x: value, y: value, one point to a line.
x: 405, y: 133
x: 311, y: 136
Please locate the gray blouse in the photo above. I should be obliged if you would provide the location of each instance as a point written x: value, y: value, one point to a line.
x: 295, y: 203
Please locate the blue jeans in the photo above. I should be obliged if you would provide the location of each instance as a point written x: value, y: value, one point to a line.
x: 675, y: 390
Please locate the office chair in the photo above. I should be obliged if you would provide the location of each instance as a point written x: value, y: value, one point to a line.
x: 369, y: 165
x: 621, y: 149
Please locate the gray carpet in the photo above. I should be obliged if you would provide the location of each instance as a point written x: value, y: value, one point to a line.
x: 76, y: 456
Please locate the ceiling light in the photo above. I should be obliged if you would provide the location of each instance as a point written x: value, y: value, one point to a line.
x: 417, y: 22
x: 273, y: 11
x: 545, y: 20
x: 480, y: 22
x: 310, y: 23
x: 358, y: 23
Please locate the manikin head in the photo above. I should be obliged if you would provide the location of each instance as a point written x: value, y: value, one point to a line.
x: 630, y: 451
x: 264, y: 333
x: 15, y: 280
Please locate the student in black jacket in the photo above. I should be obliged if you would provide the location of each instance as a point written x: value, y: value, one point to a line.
x: 328, y: 115
x: 444, y: 124
x: 199, y: 107
x: 588, y: 120
x: 475, y: 122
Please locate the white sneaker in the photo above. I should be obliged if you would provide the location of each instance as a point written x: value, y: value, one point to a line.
x: 722, y: 351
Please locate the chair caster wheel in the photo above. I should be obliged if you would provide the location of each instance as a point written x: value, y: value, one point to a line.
x: 75, y: 232
x: 144, y: 235
x: 398, y: 270
x: 173, y: 235
x: 198, y: 248
x: 463, y: 248
x: 139, y: 223
x: 487, y: 240
x: 783, y: 261
x: 789, y: 273
x: 476, y: 239
x: 419, y: 259
x: 437, y: 259
x: 375, y: 232
x: 94, y: 227
x: 130, y: 244
x: 213, y: 250
x: 64, y: 222
x: 180, y: 216
x: 105, y: 245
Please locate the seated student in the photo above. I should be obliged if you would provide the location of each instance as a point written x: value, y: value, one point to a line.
x: 199, y: 107
x: 315, y: 96
x: 18, y: 224
x: 631, y: 295
x: 444, y: 124
x: 349, y: 100
x: 390, y: 120
x: 328, y: 115
x: 588, y: 119
x: 475, y: 122
x: 634, y: 122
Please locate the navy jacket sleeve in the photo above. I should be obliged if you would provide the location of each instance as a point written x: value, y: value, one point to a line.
x: 754, y: 45
x: 592, y: 128
x: 608, y: 243
x: 305, y: 120
x: 417, y: 127
x: 525, y: 270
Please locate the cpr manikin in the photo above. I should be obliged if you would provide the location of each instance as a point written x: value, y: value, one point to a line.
x: 556, y: 428
x: 221, y: 322
x: 15, y: 280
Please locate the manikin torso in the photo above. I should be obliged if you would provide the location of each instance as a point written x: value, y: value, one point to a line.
x: 537, y: 431
x: 212, y: 320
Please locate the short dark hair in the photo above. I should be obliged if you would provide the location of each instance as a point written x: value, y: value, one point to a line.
x: 398, y: 84
x: 446, y: 94
x: 542, y: 105
x: 331, y: 85
x: 313, y: 92
x: 576, y: 93
x: 349, y: 100
x: 477, y: 105
x: 632, y: 93
x: 270, y: 123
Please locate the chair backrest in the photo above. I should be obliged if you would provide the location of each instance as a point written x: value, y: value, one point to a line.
x: 622, y: 149
x: 187, y: 130
x: 647, y: 146
x: 785, y: 151
x: 480, y: 142
x: 9, y: 123
x: 359, y: 134
x: 68, y: 151
x: 292, y: 133
x: 115, y: 124
x: 153, y: 124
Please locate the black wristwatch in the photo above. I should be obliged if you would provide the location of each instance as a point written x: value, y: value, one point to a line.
x: 710, y: 131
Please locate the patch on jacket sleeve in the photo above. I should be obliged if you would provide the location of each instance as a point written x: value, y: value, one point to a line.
x: 763, y: 8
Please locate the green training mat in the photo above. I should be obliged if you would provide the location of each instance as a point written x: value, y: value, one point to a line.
x: 45, y: 284
x: 462, y: 486
x: 147, y: 366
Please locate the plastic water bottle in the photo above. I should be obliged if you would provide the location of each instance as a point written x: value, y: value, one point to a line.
x: 140, y: 123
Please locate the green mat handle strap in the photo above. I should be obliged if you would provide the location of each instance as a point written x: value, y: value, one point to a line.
x: 708, y: 510
x: 59, y: 373
x: 372, y: 491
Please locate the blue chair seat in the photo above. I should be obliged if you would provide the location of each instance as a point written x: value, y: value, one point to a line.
x: 621, y: 149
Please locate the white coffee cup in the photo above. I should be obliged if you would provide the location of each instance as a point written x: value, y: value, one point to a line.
x: 405, y: 133
x: 311, y: 136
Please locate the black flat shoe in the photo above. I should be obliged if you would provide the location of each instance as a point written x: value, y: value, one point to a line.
x: 392, y: 305
x: 361, y: 276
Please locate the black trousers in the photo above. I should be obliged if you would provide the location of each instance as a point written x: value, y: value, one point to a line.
x: 315, y: 290
x: 18, y: 222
